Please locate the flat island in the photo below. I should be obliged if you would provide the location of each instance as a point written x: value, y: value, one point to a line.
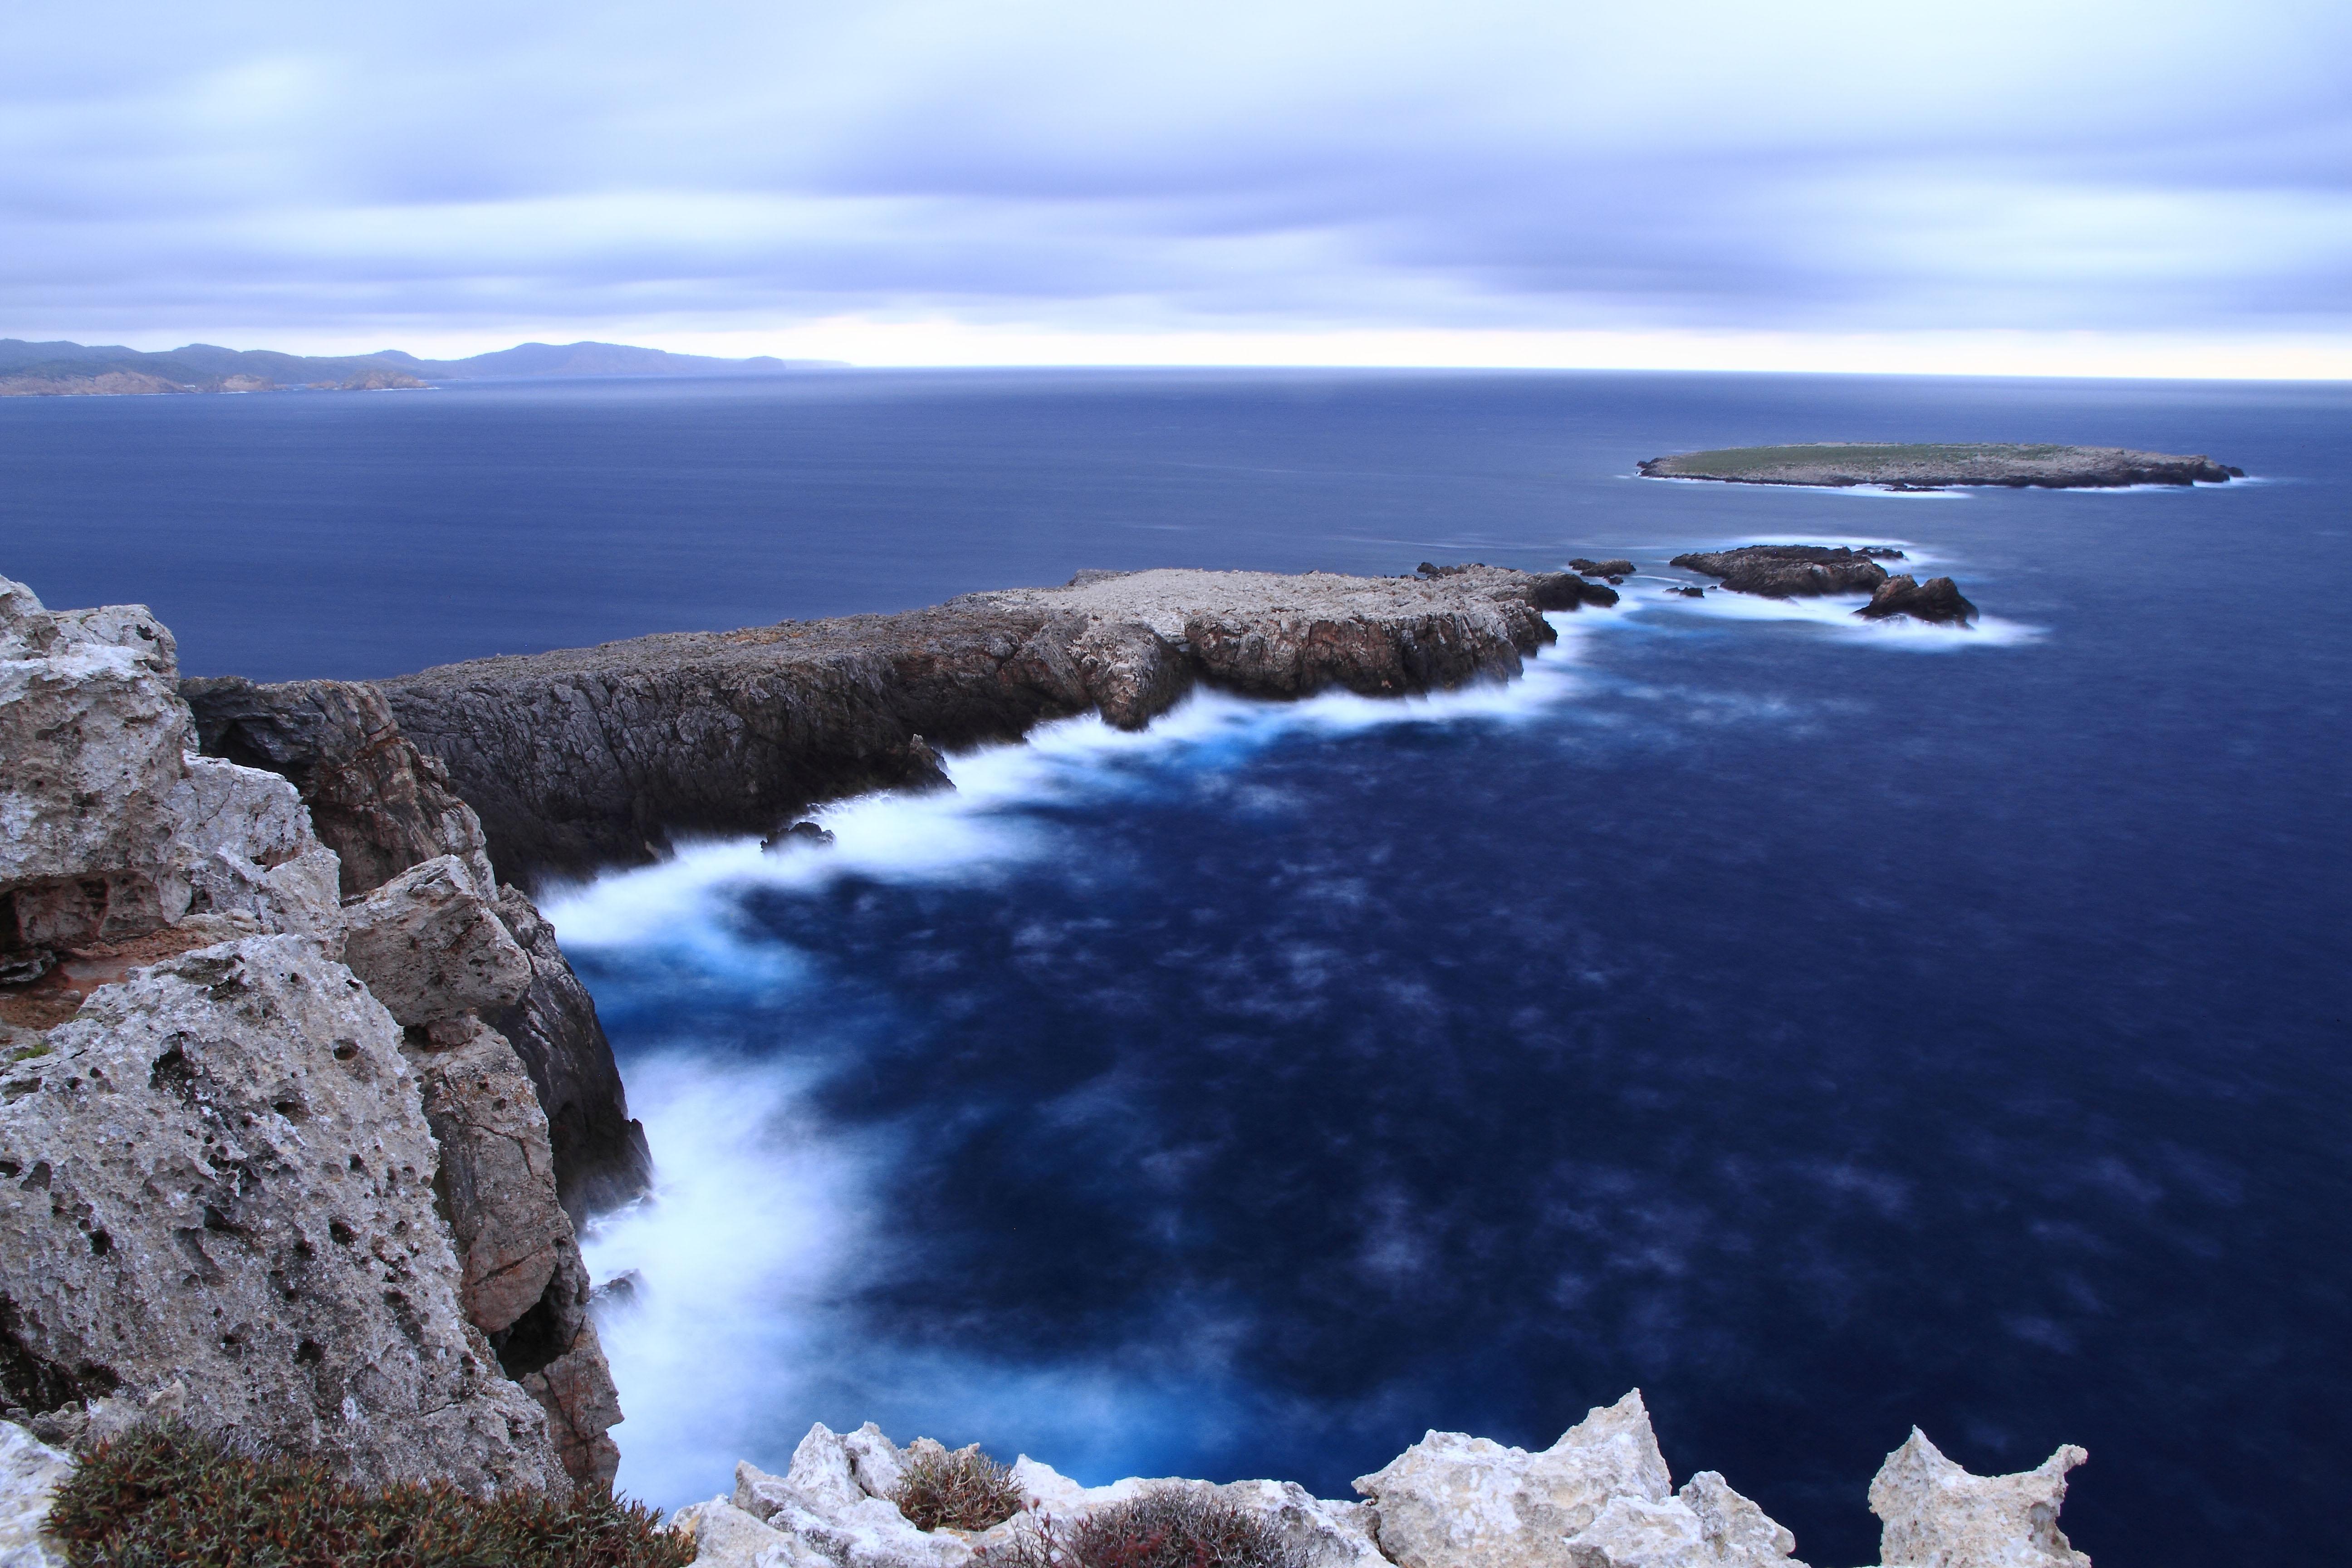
x: 1932, y: 465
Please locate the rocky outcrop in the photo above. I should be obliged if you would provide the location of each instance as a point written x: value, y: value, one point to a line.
x: 1939, y: 466
x: 219, y: 1183
x: 1599, y: 1498
x: 1939, y: 600
x: 225, y: 1192
x: 1791, y: 571
x: 1934, y: 1514
x: 590, y: 757
x: 385, y: 807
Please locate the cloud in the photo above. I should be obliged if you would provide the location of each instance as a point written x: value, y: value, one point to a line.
x: 306, y: 174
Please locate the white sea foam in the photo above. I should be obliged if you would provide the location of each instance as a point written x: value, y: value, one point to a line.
x: 1834, y: 614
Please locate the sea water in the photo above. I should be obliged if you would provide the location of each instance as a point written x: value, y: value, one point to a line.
x: 1824, y: 1027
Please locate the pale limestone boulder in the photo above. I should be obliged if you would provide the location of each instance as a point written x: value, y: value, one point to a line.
x: 242, y: 842
x: 1704, y: 1525
x: 724, y: 1536
x: 875, y: 1462
x: 221, y: 1177
x: 431, y: 945
x: 821, y: 1504
x: 30, y: 1471
x: 1936, y: 1515
x: 1457, y: 1501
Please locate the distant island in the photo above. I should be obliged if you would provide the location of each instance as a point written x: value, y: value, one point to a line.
x: 73, y: 370
x: 1934, y: 466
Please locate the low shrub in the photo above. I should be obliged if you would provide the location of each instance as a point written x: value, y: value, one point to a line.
x: 167, y: 1496
x: 955, y: 1489
x: 1168, y: 1527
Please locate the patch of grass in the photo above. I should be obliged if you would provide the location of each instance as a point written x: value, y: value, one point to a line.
x: 27, y: 1053
x: 955, y: 1489
x: 1741, y: 459
x: 1169, y: 1527
x: 168, y: 1496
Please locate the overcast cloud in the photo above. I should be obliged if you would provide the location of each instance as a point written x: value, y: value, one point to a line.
x: 448, y: 175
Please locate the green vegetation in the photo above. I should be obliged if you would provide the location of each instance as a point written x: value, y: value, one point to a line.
x: 1169, y: 1527
x: 1744, y: 460
x: 960, y: 1488
x: 165, y: 1495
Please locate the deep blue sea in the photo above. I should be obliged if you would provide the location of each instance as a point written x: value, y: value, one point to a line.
x: 1825, y: 1029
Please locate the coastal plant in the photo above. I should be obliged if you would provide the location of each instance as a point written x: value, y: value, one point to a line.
x: 1166, y: 1527
x: 166, y: 1495
x: 955, y: 1489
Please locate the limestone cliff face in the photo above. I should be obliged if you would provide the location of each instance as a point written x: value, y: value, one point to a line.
x: 385, y: 808
x: 588, y: 758
x: 262, y: 1163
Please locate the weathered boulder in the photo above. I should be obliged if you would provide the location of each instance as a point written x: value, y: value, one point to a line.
x: 375, y: 799
x: 1937, y: 599
x: 820, y: 1503
x: 1567, y: 591
x: 1791, y: 571
x: 30, y: 1471
x: 724, y: 1536
x: 220, y: 1177
x: 1129, y: 672
x: 1934, y: 1514
x: 1599, y: 1498
x: 244, y: 846
x: 432, y: 947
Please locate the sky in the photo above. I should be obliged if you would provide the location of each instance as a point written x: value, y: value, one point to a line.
x: 2146, y: 187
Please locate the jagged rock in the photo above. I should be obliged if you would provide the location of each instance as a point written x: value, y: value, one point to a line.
x: 431, y: 947
x: 30, y: 1471
x: 576, y: 1390
x: 601, y: 1158
x: 375, y: 799
x: 385, y: 807
x: 1789, y: 571
x: 586, y: 758
x: 1326, y: 1534
x: 247, y: 847
x: 820, y: 1503
x: 1936, y: 1515
x: 1599, y: 1498
x: 1615, y: 570
x: 1937, y: 599
x: 221, y: 1177
x: 724, y: 1536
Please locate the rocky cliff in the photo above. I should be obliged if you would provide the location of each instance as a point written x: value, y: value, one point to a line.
x: 593, y: 757
x: 266, y: 1163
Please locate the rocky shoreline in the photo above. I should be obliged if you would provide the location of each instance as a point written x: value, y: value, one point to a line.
x: 1944, y: 466
x: 301, y: 1104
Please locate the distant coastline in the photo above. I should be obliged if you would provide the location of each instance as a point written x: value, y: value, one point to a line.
x: 74, y: 369
x: 1902, y: 466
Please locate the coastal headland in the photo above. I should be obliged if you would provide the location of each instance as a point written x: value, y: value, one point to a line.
x: 1935, y: 465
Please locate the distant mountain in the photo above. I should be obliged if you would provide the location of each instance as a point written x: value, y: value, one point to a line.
x: 63, y: 369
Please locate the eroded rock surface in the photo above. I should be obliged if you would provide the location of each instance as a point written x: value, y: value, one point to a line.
x: 1937, y: 600
x: 220, y: 1177
x: 1935, y: 1514
x: 1599, y: 1498
x: 590, y: 757
x: 385, y: 807
x: 432, y: 947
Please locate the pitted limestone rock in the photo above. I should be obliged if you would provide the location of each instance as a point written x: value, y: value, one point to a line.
x: 1935, y: 1514
x: 1599, y: 1497
x: 431, y: 946
x: 820, y: 1503
x: 221, y: 1177
x: 30, y: 1471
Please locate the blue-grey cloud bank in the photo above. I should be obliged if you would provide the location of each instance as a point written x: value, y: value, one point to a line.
x: 450, y: 174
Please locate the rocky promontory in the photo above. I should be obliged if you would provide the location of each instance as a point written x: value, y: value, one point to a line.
x: 268, y: 1164
x: 587, y: 757
x: 1936, y: 465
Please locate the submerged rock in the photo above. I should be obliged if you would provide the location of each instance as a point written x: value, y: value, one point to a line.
x: 1935, y: 1514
